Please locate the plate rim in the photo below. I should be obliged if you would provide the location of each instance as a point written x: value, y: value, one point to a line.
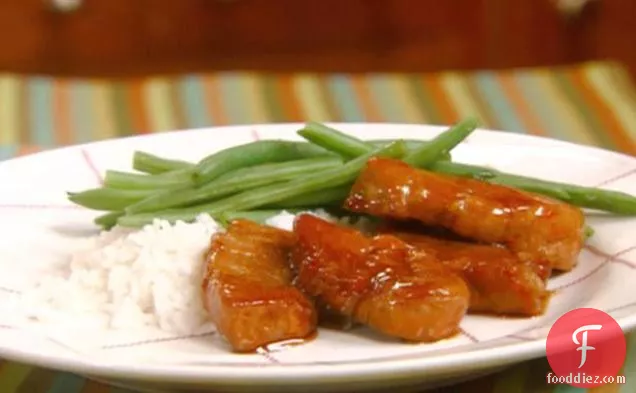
x: 379, y: 369
x: 342, y: 126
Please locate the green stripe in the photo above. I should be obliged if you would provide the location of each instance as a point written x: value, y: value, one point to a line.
x: 273, y: 105
x: 122, y: 117
x: 512, y: 380
x: 583, y: 109
x: 538, y: 100
x: 483, y: 107
x: 175, y: 104
x: 81, y: 111
x: 424, y: 100
x: 67, y: 383
x: 40, y: 92
x: 537, y: 380
x: 382, y: 93
x: 327, y: 98
x: 120, y: 390
x: 12, y: 375
x: 230, y: 86
x: 38, y: 380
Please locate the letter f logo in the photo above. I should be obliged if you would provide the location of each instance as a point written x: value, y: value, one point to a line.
x: 583, y: 344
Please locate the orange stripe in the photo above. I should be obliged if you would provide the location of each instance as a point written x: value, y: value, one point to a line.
x: 61, y: 114
x: 609, y: 123
x: 444, y: 107
x: 212, y: 93
x: 369, y: 108
x: 288, y: 100
x: 140, y: 123
x: 27, y: 149
x: 526, y: 115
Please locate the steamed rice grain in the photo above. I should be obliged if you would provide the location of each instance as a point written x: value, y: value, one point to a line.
x: 135, y: 279
x: 125, y: 279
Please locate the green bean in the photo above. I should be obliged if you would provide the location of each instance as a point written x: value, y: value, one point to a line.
x: 412, y: 145
x: 250, y: 154
x: 431, y: 152
x: 333, y: 196
x: 271, y: 194
x: 154, y: 165
x: 427, y: 153
x: 585, y: 197
x: 108, y: 220
x: 334, y: 140
x: 421, y: 155
x: 139, y: 181
x: 234, y: 182
x: 108, y: 198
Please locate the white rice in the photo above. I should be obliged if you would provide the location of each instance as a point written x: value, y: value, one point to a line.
x: 125, y: 279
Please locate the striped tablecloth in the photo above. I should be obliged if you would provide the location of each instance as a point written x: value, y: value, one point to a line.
x: 592, y: 104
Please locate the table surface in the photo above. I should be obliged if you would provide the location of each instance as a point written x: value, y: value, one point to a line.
x: 590, y: 103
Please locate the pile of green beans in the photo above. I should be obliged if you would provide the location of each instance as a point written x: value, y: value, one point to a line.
x: 260, y: 179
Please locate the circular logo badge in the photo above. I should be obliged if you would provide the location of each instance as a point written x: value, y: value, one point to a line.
x: 585, y: 348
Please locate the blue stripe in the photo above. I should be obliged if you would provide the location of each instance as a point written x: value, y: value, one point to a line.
x: 81, y: 111
x: 490, y: 89
x: 191, y: 91
x: 387, y: 105
x: 7, y: 152
x: 548, y: 115
x: 230, y: 86
x: 66, y: 383
x: 345, y: 98
x: 40, y: 92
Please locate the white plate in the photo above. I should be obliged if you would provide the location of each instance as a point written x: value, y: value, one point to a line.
x: 38, y: 226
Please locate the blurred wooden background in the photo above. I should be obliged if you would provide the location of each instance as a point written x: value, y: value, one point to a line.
x: 124, y: 37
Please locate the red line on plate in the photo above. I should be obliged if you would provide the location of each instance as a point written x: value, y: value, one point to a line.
x: 596, y: 251
x: 625, y: 262
x: 91, y: 165
x: 470, y: 336
x: 519, y: 337
x: 621, y: 307
x: 255, y: 135
x: 157, y: 340
x: 579, y: 280
x: 268, y: 356
x: 617, y: 177
x: 600, y: 253
x: 616, y: 257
